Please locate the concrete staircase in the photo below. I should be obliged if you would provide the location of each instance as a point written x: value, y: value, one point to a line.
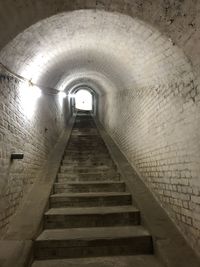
x: 91, y: 220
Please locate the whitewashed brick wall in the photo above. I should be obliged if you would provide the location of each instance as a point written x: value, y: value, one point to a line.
x: 34, y: 137
x: 158, y: 130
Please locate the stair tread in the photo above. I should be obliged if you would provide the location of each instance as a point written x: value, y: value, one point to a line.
x: 94, y: 167
x: 91, y: 194
x: 91, y: 182
x: 120, y: 261
x: 93, y: 172
x: 91, y: 210
x: 93, y: 233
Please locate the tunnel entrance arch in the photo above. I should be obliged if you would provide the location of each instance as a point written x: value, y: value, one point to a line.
x: 83, y: 98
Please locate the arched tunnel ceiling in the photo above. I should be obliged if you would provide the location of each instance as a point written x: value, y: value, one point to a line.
x: 177, y: 19
x: 112, y: 50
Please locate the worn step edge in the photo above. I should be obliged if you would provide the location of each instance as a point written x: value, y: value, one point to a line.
x: 90, y: 199
x: 83, y: 178
x: 92, y: 233
x: 72, y: 174
x: 91, y: 217
x: 93, y: 167
x: 92, y: 183
x: 91, y: 194
x: 97, y: 186
x: 93, y: 241
x: 91, y: 210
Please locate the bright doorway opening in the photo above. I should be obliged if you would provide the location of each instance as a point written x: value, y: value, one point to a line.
x: 83, y: 100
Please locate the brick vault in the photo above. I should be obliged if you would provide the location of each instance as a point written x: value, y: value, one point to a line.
x: 140, y: 59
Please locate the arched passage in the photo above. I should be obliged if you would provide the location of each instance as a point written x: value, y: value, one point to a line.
x: 82, y: 97
x: 83, y: 100
x: 141, y: 78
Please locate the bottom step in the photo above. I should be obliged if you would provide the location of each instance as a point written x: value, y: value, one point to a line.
x: 116, y: 261
x: 91, y: 242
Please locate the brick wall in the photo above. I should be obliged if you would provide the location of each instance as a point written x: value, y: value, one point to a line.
x: 35, y: 137
x: 157, y: 128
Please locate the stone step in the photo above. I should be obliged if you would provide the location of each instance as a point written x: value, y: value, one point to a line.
x: 90, y: 199
x: 91, y: 217
x: 101, y: 176
x: 84, y: 124
x: 85, y: 130
x: 96, y: 138
x: 93, y: 241
x: 92, y: 153
x: 77, y: 134
x: 84, y: 168
x: 86, y: 179
x: 106, y: 161
x: 75, y: 164
x: 93, y: 169
x: 89, y: 172
x: 78, y: 187
x: 114, y: 261
x: 86, y: 143
x: 86, y: 137
x: 87, y: 159
x: 84, y: 151
x: 86, y: 146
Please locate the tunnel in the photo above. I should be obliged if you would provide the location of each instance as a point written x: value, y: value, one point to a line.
x: 139, y: 62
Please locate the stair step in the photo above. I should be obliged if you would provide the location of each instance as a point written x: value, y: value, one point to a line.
x: 88, y: 161
x: 78, y: 150
x: 86, y: 169
x: 93, y: 241
x: 83, y: 151
x: 91, y: 217
x: 96, y: 138
x: 64, y: 170
x: 95, y: 153
x: 74, y: 164
x: 88, y: 179
x: 87, y: 145
x: 89, y: 158
x: 104, y: 186
x: 75, y: 136
x: 90, y: 199
x: 84, y: 156
x: 86, y: 141
x: 114, y: 261
x: 88, y: 176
